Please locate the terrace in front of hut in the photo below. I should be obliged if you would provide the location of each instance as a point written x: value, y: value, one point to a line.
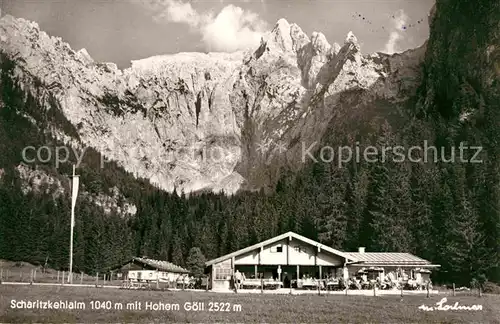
x: 293, y: 261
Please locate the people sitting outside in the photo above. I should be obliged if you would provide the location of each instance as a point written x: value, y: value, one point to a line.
x: 391, y: 280
x: 385, y: 284
x: 201, y: 282
x: 187, y: 281
x: 310, y: 282
x: 333, y: 283
x: 404, y: 275
x: 355, y: 284
x: 376, y: 283
x: 180, y: 282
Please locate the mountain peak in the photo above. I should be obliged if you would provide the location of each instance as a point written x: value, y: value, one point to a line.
x: 84, y: 56
x: 352, y: 40
x: 319, y: 43
x: 286, y: 37
x: 282, y: 23
x: 280, y: 36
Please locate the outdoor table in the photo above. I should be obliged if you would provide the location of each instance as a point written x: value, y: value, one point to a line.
x: 308, y: 284
x: 257, y: 283
x: 273, y: 284
x: 333, y: 284
x: 253, y: 283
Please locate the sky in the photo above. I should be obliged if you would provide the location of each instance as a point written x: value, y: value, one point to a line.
x: 123, y: 30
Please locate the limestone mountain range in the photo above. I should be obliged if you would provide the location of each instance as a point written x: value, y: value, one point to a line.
x: 208, y: 121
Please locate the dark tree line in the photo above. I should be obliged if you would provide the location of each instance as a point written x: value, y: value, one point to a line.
x: 430, y: 212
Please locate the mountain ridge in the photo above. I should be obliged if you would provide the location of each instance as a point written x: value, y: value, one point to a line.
x: 160, y: 117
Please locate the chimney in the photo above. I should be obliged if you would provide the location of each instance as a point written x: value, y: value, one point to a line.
x: 361, y: 249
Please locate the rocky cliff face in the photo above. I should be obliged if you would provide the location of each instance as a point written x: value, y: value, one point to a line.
x: 214, y: 121
x: 462, y: 65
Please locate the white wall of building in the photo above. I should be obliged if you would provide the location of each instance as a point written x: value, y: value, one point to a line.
x: 292, y: 252
x: 152, y: 275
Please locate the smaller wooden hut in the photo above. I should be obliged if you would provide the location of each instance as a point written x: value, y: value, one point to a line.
x: 144, y: 270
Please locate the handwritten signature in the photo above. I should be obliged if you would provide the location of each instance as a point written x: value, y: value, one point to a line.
x: 442, y: 307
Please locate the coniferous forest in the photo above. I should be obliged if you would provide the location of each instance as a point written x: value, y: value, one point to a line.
x: 443, y: 213
x: 448, y: 213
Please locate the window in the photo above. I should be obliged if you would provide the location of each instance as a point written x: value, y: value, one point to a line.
x: 297, y: 249
x: 276, y: 249
x: 223, y: 273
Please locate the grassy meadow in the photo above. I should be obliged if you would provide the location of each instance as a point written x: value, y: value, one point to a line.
x: 254, y: 307
x: 25, y: 272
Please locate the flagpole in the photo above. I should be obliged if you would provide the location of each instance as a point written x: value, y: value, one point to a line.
x: 74, y: 193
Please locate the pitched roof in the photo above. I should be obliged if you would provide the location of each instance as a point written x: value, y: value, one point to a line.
x: 387, y: 258
x: 161, y: 265
x: 279, y: 238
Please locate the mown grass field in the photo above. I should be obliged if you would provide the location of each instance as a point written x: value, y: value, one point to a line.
x: 254, y: 308
x: 23, y: 272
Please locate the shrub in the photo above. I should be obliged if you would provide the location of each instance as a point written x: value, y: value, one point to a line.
x: 491, y: 288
